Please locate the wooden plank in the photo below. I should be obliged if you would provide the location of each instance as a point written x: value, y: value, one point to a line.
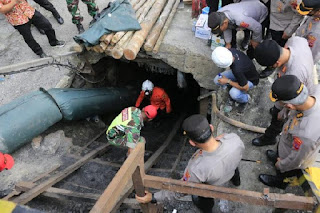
x: 286, y: 201
x: 152, y: 160
x: 139, y: 188
x: 34, y: 192
x: 110, y: 196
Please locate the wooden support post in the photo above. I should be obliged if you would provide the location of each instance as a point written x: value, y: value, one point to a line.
x: 286, y: 201
x: 110, y: 196
x: 34, y: 192
x: 139, y: 188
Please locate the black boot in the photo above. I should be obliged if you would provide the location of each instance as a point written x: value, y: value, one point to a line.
x: 59, y: 19
x: 80, y: 28
x: 272, y: 156
x: 263, y: 141
x: 266, y: 72
x: 273, y: 181
x: 236, y: 178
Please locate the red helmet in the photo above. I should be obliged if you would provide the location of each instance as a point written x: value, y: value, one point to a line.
x: 150, y: 111
x: 6, y: 161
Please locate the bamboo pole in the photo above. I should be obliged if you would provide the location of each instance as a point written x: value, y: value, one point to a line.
x: 132, y: 49
x: 166, y: 27
x: 134, y: 2
x: 103, y: 46
x: 156, y: 30
x: 139, y: 4
x: 108, y: 51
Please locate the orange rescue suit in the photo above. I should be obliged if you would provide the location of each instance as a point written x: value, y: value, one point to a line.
x: 159, y: 98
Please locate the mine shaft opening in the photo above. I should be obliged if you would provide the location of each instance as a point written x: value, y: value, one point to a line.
x: 94, y: 177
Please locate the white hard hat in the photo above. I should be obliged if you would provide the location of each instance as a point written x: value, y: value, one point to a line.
x: 147, y: 86
x: 222, y: 57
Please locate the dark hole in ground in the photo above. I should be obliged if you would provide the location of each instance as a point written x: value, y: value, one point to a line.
x: 94, y: 177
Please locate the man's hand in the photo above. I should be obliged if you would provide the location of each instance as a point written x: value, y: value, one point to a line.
x: 285, y: 36
x: 254, y: 44
x: 145, y: 199
x: 228, y: 45
x: 223, y: 80
x: 277, y: 163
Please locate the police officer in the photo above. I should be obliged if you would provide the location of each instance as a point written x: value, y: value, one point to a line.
x: 310, y: 29
x: 244, y: 15
x: 300, y: 139
x: 294, y: 59
x: 73, y: 7
x: 125, y: 128
x: 284, y: 21
x: 225, y: 152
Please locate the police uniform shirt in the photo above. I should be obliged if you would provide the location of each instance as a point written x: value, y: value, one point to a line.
x: 310, y: 30
x: 300, y: 62
x: 214, y: 168
x: 300, y: 139
x: 284, y: 16
x: 246, y: 15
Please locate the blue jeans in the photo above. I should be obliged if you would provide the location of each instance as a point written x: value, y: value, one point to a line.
x: 236, y: 94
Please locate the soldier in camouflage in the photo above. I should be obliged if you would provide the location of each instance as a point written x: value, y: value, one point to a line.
x: 74, y: 10
x: 125, y: 128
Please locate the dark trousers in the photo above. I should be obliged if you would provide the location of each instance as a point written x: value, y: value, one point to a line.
x: 48, y: 6
x: 205, y: 204
x: 40, y: 22
x: 275, y: 127
x: 277, y: 36
x: 213, y: 4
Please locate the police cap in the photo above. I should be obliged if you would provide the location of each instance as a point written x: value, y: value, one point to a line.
x: 197, y: 128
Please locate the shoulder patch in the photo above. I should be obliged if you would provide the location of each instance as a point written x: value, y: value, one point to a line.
x: 125, y: 115
x: 297, y: 142
x: 186, y: 176
x: 244, y: 24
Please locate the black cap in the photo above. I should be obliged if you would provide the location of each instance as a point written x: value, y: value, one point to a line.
x: 197, y: 128
x: 286, y: 88
x: 306, y: 6
x: 267, y: 52
x: 214, y: 21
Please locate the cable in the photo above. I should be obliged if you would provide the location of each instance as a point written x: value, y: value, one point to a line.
x: 68, y: 66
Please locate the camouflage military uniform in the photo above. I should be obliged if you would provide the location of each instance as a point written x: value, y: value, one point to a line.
x: 74, y: 10
x: 125, y: 128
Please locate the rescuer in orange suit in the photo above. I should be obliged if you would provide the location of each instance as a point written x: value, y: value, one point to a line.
x: 158, y: 97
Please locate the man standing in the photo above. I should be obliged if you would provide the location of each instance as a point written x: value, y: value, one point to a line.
x: 300, y: 139
x: 21, y: 15
x: 293, y: 59
x: 215, y: 162
x: 246, y: 15
x: 125, y: 128
x: 6, y: 161
x: 242, y: 75
x: 158, y: 97
x: 284, y: 21
x: 73, y: 7
x: 48, y: 6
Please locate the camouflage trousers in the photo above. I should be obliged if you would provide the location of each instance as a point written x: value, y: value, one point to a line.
x: 122, y: 141
x: 75, y: 12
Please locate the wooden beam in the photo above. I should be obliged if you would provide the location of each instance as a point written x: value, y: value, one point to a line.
x: 151, y: 161
x: 286, y: 201
x: 110, y: 196
x: 34, y: 192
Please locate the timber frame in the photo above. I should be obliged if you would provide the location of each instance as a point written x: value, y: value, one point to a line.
x: 133, y: 171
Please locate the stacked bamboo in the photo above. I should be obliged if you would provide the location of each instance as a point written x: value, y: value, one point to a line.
x: 154, y: 16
